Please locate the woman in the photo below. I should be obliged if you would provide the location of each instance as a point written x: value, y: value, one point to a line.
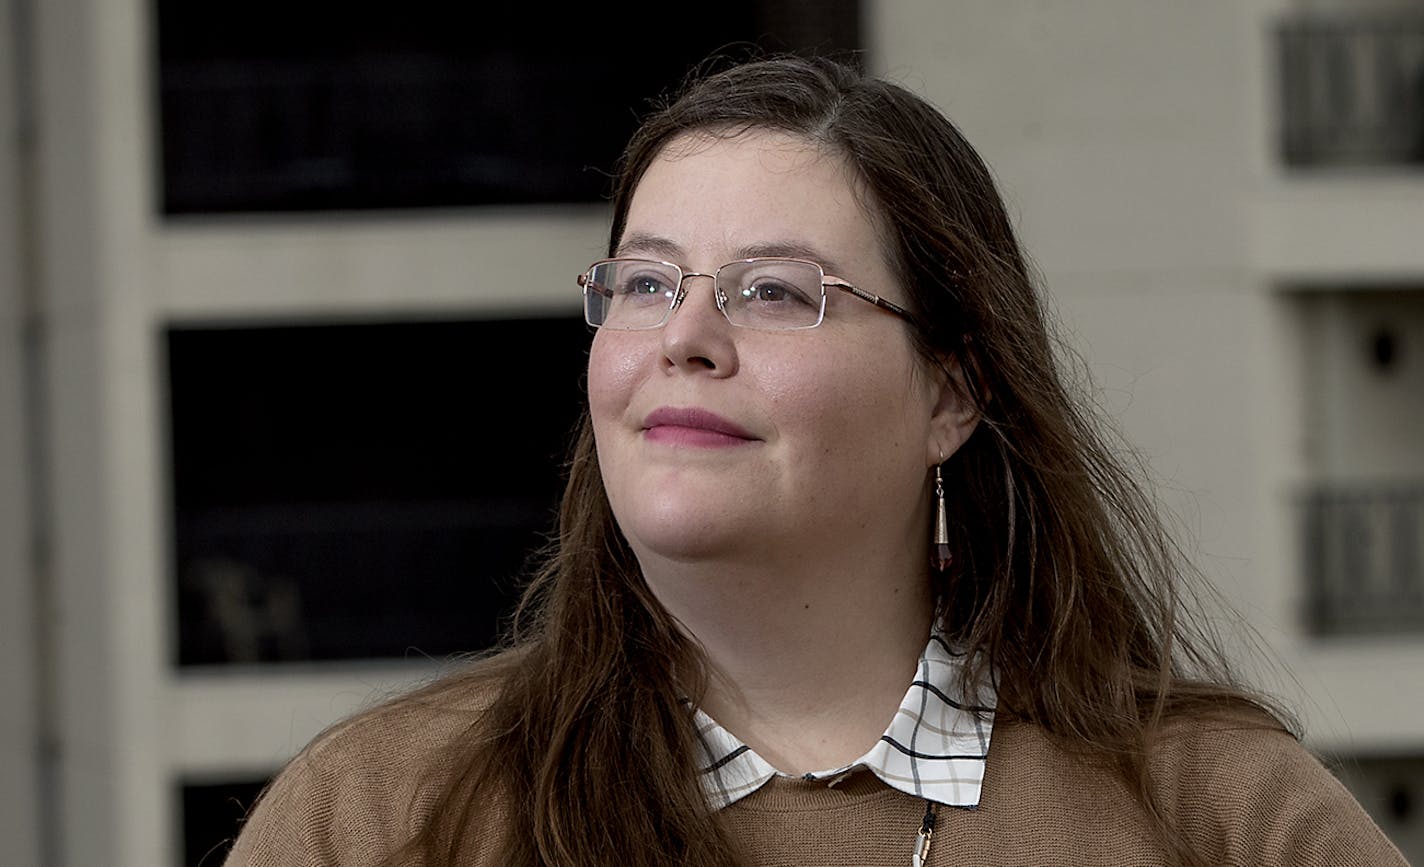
x: 843, y: 575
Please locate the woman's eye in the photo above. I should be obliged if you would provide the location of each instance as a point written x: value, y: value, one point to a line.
x: 644, y: 286
x: 774, y: 292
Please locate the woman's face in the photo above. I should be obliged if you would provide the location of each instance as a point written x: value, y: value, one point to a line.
x: 716, y: 441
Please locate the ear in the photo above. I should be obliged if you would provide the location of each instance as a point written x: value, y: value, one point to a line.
x: 955, y: 413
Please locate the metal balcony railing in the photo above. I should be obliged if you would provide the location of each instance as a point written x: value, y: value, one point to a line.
x: 1364, y: 559
x: 1352, y: 89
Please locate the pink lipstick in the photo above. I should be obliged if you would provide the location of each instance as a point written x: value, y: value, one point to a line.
x: 693, y: 427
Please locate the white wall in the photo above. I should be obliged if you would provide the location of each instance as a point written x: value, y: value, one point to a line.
x: 89, y: 216
x: 19, y: 737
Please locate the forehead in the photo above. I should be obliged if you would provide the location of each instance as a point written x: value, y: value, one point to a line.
x: 712, y: 198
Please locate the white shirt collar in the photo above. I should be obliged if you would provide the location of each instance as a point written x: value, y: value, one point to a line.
x: 935, y: 747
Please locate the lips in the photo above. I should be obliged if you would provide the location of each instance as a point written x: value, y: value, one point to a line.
x: 695, y: 427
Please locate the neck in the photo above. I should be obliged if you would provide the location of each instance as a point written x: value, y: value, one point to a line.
x: 808, y: 662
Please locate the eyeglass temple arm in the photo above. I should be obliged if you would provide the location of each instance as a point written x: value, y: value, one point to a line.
x: 585, y: 282
x: 871, y: 297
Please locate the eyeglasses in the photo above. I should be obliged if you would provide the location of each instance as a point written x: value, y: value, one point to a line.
x: 769, y: 294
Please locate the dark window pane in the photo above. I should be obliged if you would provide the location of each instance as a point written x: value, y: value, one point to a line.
x: 268, y: 106
x: 371, y: 490
x: 212, y: 815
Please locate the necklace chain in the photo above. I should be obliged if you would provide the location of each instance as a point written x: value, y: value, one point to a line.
x: 922, y: 840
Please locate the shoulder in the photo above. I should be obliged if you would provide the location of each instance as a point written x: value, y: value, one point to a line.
x: 362, y: 788
x: 1235, y: 784
x: 1242, y: 782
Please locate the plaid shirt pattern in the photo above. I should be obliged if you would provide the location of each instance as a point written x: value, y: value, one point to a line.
x: 934, y: 749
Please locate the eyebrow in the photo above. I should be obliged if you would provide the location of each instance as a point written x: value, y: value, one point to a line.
x: 648, y: 244
x: 641, y: 242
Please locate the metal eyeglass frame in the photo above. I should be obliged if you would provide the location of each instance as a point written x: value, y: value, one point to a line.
x: 720, y: 297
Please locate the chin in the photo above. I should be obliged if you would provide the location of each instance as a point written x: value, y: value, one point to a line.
x: 676, y: 541
x: 682, y: 515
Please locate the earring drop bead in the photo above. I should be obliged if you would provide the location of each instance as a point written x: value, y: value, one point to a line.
x: 940, y: 555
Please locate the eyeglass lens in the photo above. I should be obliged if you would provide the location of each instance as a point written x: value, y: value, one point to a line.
x: 772, y: 294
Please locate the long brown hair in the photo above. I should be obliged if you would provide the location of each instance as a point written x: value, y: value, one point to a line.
x: 1065, y: 586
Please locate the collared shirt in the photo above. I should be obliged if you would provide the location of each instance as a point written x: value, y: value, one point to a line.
x: 934, y: 749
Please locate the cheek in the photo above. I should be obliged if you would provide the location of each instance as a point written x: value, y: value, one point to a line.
x: 613, y: 365
x: 868, y: 424
x: 848, y: 399
x: 844, y: 438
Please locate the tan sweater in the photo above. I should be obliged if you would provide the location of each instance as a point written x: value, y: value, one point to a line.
x: 1245, y: 795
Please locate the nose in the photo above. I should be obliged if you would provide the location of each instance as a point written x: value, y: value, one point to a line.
x: 697, y: 338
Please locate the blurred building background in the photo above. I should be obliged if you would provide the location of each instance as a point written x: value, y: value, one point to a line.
x: 284, y: 373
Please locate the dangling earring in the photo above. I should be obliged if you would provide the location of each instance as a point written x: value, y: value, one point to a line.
x: 940, y: 556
